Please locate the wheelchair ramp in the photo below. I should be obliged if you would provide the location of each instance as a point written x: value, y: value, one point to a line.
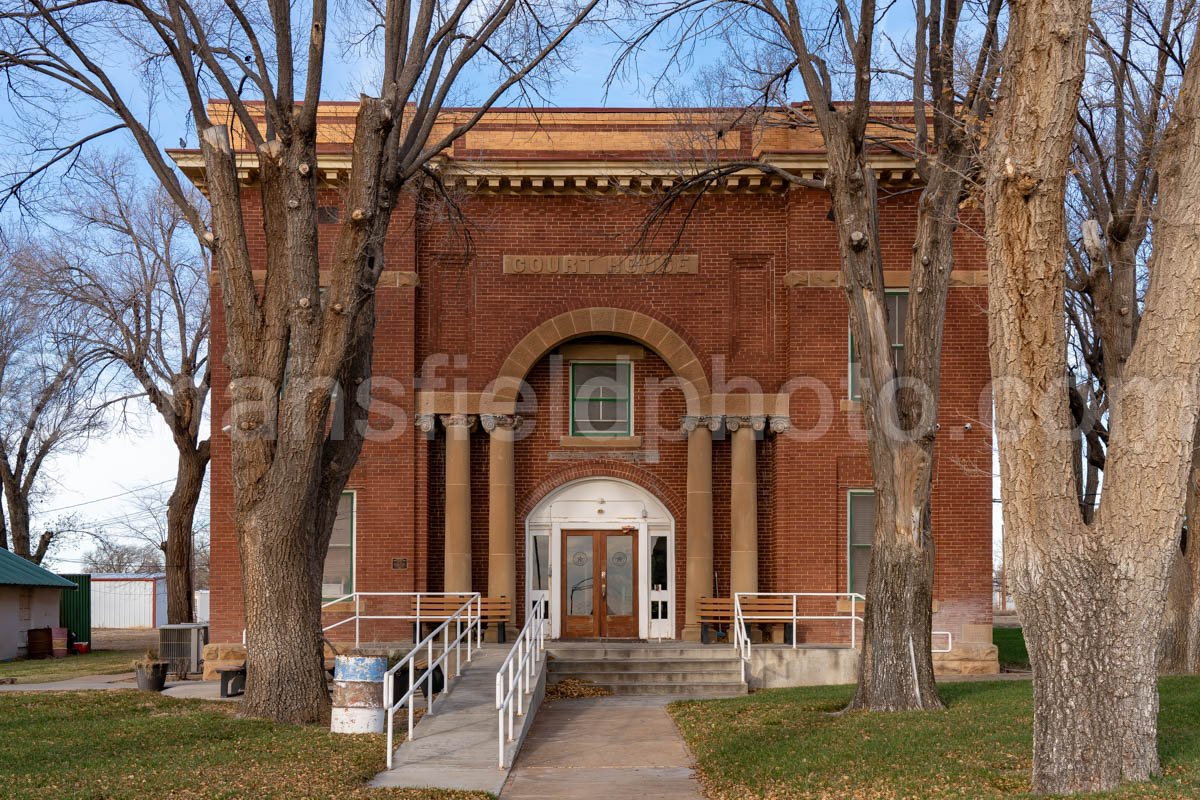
x: 455, y: 747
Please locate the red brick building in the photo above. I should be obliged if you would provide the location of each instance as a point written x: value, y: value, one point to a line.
x: 556, y: 419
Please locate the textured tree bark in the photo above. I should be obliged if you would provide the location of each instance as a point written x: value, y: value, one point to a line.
x: 18, y: 522
x: 1090, y: 595
x: 190, y: 467
x: 1179, y: 645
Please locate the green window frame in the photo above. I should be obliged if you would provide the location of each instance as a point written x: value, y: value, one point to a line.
x: 897, y: 305
x: 615, y: 395
x: 344, y: 540
x: 860, y: 535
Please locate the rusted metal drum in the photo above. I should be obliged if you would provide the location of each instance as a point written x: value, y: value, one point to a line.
x: 358, y: 694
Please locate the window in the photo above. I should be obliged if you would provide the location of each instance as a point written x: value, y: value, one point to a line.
x: 861, y: 534
x: 897, y: 306
x: 600, y: 398
x: 338, y: 580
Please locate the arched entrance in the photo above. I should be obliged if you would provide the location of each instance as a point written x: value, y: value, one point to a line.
x: 600, y: 553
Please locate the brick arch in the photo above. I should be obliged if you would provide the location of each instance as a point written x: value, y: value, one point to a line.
x: 621, y: 470
x: 647, y: 330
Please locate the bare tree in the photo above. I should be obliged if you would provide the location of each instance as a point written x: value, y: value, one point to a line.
x: 1091, y: 593
x: 834, y: 57
x: 290, y: 460
x: 128, y: 265
x: 109, y: 555
x: 47, y: 388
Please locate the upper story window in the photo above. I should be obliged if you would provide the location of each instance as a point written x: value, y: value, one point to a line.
x: 601, y: 398
x: 897, y: 306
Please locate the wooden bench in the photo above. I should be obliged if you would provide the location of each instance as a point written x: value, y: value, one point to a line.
x: 770, y: 611
x: 714, y: 611
x: 436, y: 609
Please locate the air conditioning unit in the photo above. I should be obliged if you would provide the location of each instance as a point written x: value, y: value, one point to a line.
x: 182, y: 646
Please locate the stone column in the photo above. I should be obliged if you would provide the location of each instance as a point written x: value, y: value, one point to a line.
x: 743, y: 504
x: 458, y: 501
x: 502, y: 511
x: 699, y: 518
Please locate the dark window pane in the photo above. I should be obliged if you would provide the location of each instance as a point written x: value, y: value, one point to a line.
x: 540, y: 569
x: 898, y: 312
x: 600, y: 381
x: 659, y: 579
x: 860, y: 567
x: 862, y: 518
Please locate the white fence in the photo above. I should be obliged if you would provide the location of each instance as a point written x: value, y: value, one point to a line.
x: 129, y: 601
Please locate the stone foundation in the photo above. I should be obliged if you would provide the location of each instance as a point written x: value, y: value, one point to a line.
x: 225, y: 655
x: 968, y: 658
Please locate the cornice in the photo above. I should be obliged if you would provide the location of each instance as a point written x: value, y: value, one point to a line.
x: 567, y: 176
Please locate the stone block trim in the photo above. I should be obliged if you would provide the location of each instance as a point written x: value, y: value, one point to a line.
x: 968, y: 658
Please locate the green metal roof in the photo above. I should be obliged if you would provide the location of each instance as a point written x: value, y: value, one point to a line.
x: 16, y: 571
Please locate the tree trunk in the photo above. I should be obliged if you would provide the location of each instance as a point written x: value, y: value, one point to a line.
x: 1090, y: 596
x: 896, y: 666
x: 289, y: 465
x: 18, y: 524
x: 281, y: 580
x: 1179, y: 645
x: 895, y: 669
x: 1091, y: 630
x: 181, y: 512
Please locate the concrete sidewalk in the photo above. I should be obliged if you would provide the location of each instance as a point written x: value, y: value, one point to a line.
x: 618, y: 748
x: 123, y: 680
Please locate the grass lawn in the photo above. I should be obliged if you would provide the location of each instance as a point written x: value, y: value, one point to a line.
x: 784, y: 743
x: 1011, y: 643
x: 117, y: 745
x: 45, y: 670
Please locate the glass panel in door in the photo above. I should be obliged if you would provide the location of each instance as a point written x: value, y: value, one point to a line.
x: 619, y: 587
x: 579, y: 586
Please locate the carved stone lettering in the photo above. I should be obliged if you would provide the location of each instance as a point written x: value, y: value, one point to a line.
x: 644, y: 264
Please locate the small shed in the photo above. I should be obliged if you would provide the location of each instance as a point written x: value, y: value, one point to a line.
x: 29, y: 599
x: 136, y: 600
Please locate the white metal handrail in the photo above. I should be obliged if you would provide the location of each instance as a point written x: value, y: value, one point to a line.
x: 518, y: 674
x: 741, y: 637
x: 465, y: 620
x: 358, y: 616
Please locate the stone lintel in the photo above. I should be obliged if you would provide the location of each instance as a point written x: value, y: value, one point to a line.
x: 892, y: 278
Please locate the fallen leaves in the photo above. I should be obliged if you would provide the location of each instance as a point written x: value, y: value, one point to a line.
x: 574, y: 689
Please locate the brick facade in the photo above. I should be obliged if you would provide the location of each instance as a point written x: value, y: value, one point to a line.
x: 755, y: 329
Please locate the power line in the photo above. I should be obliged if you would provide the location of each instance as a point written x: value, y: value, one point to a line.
x: 102, y: 499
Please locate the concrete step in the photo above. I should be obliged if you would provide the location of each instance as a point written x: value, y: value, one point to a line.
x: 616, y: 652
x: 644, y: 665
x: 677, y: 690
x: 655, y: 677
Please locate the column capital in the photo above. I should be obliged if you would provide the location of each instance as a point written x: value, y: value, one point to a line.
x: 426, y: 422
x: 754, y: 423
x: 459, y: 420
x: 508, y: 422
x: 779, y: 424
x: 690, y: 422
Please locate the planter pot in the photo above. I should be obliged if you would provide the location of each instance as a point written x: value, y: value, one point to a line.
x: 151, y: 677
